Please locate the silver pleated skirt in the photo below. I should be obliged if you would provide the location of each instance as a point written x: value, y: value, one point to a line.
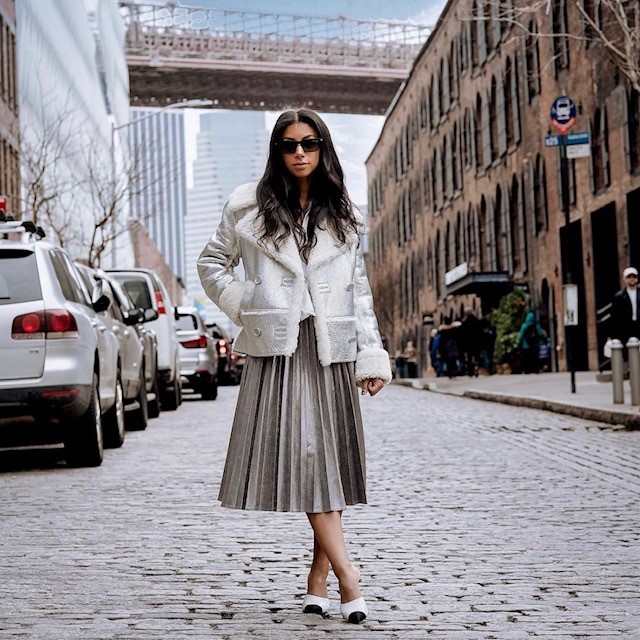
x: 297, y: 442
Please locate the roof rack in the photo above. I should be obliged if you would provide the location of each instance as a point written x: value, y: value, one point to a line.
x: 27, y: 227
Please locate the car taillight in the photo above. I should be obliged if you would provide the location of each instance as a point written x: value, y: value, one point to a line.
x: 51, y: 324
x: 222, y: 345
x: 197, y: 343
x: 160, y: 302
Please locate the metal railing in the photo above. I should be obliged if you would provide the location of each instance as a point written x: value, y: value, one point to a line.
x: 161, y: 30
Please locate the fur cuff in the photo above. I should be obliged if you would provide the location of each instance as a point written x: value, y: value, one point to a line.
x: 230, y: 300
x: 373, y: 363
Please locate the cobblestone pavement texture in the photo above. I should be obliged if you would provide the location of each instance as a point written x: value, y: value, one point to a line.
x: 485, y: 522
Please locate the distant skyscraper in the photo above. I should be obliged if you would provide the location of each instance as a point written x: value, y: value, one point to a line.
x: 157, y: 141
x: 232, y: 149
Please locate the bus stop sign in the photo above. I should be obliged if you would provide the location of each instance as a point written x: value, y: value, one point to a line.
x: 563, y: 114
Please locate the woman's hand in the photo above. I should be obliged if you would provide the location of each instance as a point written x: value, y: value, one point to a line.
x: 372, y: 385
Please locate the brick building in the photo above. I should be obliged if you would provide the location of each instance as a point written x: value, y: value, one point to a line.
x: 464, y: 198
x: 9, y: 131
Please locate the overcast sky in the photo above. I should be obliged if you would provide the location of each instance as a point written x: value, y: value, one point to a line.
x: 353, y: 135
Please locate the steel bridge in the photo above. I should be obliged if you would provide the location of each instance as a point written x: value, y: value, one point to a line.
x: 250, y: 60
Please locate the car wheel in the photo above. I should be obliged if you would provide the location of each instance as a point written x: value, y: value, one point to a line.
x: 83, y: 444
x: 113, y: 420
x: 210, y: 391
x: 138, y: 417
x: 154, y: 405
x: 171, y: 397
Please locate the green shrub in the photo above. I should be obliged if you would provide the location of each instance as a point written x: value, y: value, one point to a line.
x: 507, y: 319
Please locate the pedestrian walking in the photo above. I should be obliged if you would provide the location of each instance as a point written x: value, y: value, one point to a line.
x: 434, y: 351
x: 411, y: 357
x: 625, y: 318
x: 471, y: 342
x: 450, y: 346
x: 529, y: 339
x: 310, y: 334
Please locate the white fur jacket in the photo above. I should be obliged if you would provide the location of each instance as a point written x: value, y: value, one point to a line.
x: 268, y: 302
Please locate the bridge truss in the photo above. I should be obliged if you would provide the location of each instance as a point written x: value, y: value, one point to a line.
x: 252, y: 60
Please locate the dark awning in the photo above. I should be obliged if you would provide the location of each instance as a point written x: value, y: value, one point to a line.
x: 482, y: 283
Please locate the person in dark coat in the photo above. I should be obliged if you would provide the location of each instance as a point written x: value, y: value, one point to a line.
x: 450, y: 347
x: 625, y: 316
x: 471, y: 338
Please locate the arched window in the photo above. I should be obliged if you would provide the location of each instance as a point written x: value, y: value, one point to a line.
x: 457, y: 156
x: 453, y: 69
x: 515, y: 226
x: 439, y: 181
x: 493, y: 116
x: 445, y: 102
x: 448, y: 168
x: 540, y: 195
x: 633, y: 132
x: 508, y: 102
x: 461, y: 247
x: 499, y: 231
x: 478, y: 127
x: 435, y: 102
x: 482, y: 241
x: 532, y: 61
x: 600, y: 172
x: 559, y: 28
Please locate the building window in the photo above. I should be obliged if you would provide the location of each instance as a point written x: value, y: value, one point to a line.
x: 600, y: 171
x: 481, y: 235
x: 532, y: 61
x: 446, y: 88
x: 559, y: 42
x: 540, y: 208
x: 633, y: 131
x: 515, y: 225
x: 493, y: 120
x: 435, y: 102
x: 508, y: 102
x: 448, y: 167
x: 479, y: 147
x: 453, y: 70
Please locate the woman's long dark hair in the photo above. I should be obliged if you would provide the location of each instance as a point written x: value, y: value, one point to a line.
x: 279, y: 195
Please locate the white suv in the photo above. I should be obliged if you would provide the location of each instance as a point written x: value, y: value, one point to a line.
x: 147, y: 291
x: 58, y: 369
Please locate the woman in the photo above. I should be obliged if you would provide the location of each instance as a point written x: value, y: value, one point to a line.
x: 529, y: 338
x: 306, y: 313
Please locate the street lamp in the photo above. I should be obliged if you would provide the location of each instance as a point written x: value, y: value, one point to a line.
x: 185, y: 104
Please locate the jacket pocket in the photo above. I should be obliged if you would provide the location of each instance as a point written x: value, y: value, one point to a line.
x: 342, y: 338
x: 265, y: 328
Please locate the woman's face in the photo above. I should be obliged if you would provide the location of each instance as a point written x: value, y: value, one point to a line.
x: 300, y: 164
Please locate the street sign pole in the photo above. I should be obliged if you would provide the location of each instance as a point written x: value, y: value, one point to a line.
x: 563, y: 117
x: 564, y: 178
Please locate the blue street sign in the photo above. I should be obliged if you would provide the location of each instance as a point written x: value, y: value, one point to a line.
x: 552, y: 141
x: 563, y: 110
x: 578, y: 138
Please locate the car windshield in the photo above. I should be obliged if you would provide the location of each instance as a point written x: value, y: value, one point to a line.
x: 187, y: 323
x: 138, y: 291
x: 19, y: 280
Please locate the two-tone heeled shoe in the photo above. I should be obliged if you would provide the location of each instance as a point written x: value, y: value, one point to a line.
x: 355, y: 611
x: 315, y: 604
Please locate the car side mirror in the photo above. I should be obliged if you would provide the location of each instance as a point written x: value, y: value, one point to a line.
x: 133, y: 317
x: 149, y: 315
x: 101, y: 303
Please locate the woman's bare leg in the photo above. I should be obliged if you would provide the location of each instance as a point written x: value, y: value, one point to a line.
x: 317, y: 580
x: 327, y: 528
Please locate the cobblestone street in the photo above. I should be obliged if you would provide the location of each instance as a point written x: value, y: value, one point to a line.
x: 485, y: 522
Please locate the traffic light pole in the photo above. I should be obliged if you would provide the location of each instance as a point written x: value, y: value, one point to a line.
x: 567, y: 276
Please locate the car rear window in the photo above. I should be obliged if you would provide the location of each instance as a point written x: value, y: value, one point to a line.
x: 187, y: 323
x: 138, y: 291
x: 19, y: 279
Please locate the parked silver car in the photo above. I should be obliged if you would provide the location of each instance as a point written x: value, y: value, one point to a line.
x: 147, y: 291
x: 122, y: 319
x: 198, y: 355
x: 58, y: 369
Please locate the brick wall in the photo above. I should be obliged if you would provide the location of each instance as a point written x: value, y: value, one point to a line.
x: 460, y: 174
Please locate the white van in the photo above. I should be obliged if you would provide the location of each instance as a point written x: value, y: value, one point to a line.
x: 147, y: 291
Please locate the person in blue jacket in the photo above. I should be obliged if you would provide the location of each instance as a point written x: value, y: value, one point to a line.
x: 531, y: 335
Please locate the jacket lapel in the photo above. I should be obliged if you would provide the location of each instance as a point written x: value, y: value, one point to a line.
x: 249, y: 229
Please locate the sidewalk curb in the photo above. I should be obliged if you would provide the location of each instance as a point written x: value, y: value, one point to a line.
x: 629, y: 421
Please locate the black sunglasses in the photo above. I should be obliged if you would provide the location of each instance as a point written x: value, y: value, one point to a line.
x: 308, y: 145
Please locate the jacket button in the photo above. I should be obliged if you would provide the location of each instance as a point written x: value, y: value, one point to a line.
x: 257, y: 279
x: 352, y: 339
x: 350, y: 286
x: 257, y: 332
